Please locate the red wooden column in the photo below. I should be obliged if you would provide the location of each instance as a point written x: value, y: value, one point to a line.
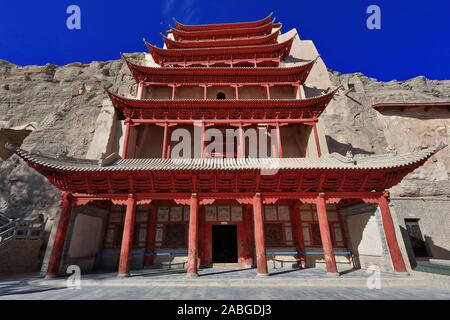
x: 325, y: 235
x: 141, y: 89
x: 241, y: 142
x: 389, y: 231
x: 192, y: 267
x: 151, y: 233
x: 267, y: 91
x: 261, y: 260
x: 127, y: 237
x: 316, y: 139
x: 297, y: 232
x: 202, y: 236
x: 205, y: 92
x: 165, y: 136
x: 174, y: 87
x: 203, y: 138
x: 67, y: 201
x: 279, y: 145
x: 247, y: 253
x: 126, y: 138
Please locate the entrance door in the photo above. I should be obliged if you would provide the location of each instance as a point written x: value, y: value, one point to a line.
x: 224, y: 244
x: 415, y: 237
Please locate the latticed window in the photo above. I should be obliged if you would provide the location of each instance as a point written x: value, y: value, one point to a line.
x: 317, y: 239
x: 274, y: 233
x: 175, y: 235
x: 311, y: 230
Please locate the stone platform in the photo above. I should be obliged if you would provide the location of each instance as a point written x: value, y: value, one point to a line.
x: 226, y: 277
x: 229, y: 284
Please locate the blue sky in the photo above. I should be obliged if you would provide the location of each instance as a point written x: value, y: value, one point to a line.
x: 413, y: 40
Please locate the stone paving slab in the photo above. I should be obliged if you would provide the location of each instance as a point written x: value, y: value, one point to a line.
x: 244, y: 277
x: 351, y: 285
x: 220, y: 293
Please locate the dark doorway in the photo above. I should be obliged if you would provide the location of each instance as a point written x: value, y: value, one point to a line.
x: 224, y: 244
x: 220, y: 96
x: 416, y: 238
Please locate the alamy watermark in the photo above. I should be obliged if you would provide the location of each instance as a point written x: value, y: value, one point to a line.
x: 374, y: 20
x: 374, y: 279
x: 74, y: 280
x: 73, y: 21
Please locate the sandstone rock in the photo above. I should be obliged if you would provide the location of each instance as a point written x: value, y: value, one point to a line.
x: 352, y: 123
x: 66, y: 101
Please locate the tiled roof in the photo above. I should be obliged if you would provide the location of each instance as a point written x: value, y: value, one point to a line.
x: 120, y: 101
x: 237, y: 71
x: 330, y: 162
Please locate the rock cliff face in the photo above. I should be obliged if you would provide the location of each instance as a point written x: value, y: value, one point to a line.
x: 352, y: 124
x: 65, y: 102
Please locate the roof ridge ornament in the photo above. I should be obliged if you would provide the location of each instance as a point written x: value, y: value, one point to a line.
x: 11, y: 147
x: 109, y: 160
x: 348, y: 158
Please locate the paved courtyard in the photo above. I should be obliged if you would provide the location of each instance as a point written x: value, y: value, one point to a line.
x: 231, y: 284
x: 18, y: 291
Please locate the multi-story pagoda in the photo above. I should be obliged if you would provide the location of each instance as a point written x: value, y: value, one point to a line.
x: 227, y: 204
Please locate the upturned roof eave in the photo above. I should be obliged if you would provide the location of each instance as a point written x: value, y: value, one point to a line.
x: 180, y: 44
x: 140, y: 72
x: 219, y: 26
x: 120, y: 102
x: 154, y: 50
x: 411, y: 160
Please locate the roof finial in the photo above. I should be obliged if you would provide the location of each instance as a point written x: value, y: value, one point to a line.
x: 10, y: 147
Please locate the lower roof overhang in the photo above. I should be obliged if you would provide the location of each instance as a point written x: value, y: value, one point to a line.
x: 244, y: 41
x: 242, y: 109
x: 255, y: 31
x: 178, y: 178
x: 220, y: 75
x: 221, y: 26
x: 165, y: 57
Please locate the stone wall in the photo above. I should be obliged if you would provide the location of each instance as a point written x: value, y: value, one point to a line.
x: 434, y: 222
x: 20, y: 256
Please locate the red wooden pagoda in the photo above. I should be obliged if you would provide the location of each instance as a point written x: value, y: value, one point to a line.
x: 242, y: 58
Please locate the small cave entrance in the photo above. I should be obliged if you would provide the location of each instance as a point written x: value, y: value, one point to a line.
x: 220, y: 96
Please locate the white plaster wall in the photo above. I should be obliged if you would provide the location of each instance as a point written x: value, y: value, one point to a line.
x: 434, y: 223
x: 364, y: 234
x: 86, y: 236
x: 367, y: 242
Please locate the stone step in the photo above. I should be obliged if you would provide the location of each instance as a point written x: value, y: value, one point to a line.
x: 266, y: 282
x: 425, y: 266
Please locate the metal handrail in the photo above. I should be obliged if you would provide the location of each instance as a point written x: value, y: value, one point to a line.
x: 21, y: 230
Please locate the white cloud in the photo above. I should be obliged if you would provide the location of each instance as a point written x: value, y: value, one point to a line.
x: 184, y: 10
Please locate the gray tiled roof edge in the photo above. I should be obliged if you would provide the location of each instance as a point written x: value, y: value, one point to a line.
x: 329, y: 162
